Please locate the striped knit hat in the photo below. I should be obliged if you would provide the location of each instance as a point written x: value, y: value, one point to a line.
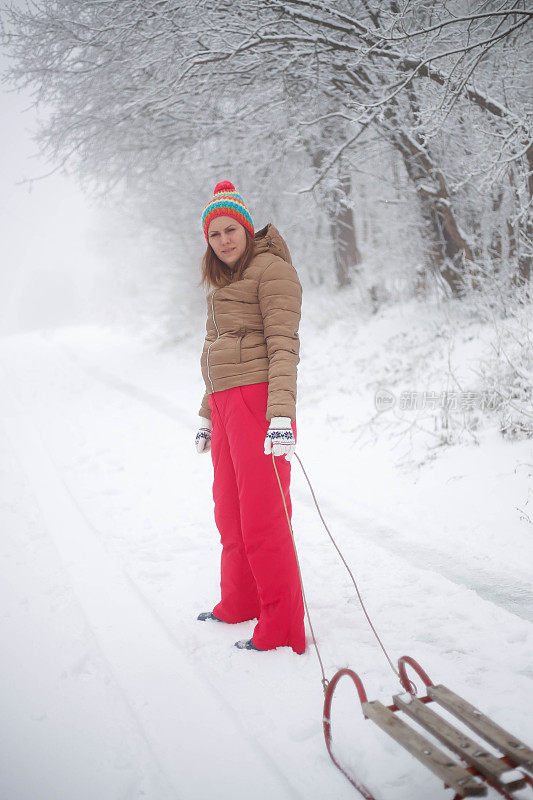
x: 226, y: 202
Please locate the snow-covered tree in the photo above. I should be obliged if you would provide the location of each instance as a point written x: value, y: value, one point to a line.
x: 298, y: 91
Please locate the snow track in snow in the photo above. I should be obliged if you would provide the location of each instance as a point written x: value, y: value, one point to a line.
x: 152, y: 400
x: 507, y: 592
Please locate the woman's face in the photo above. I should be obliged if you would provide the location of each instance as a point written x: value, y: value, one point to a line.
x: 227, y: 237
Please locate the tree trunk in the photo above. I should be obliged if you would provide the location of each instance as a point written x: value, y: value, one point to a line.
x: 526, y: 230
x: 446, y: 245
x: 341, y: 218
x: 343, y: 236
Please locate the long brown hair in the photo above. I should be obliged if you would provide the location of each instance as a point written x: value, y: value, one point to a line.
x: 216, y: 273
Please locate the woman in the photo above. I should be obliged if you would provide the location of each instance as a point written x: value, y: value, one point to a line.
x: 248, y: 413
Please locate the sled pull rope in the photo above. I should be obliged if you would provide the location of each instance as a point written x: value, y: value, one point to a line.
x: 324, y: 679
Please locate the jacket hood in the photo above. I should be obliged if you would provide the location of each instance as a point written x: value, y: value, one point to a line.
x: 270, y: 240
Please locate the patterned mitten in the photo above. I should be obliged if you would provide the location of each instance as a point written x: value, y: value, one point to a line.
x: 280, y: 438
x: 203, y: 437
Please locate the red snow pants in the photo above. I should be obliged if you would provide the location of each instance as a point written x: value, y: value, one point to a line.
x: 259, y: 572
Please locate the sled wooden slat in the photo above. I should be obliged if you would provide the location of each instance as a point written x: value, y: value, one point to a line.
x: 508, y: 744
x: 425, y: 751
x: 469, y: 750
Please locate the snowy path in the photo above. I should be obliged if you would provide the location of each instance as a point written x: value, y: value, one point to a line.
x: 162, y: 689
x: 118, y: 488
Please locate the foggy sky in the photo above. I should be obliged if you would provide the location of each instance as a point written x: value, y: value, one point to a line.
x: 48, y: 272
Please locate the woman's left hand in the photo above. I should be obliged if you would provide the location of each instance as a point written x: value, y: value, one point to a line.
x: 280, y: 438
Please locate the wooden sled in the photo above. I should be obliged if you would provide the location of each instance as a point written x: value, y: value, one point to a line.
x: 504, y: 773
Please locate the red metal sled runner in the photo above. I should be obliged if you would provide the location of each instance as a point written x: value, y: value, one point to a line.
x: 503, y: 773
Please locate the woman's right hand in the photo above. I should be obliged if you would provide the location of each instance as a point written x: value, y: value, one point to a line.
x: 203, y: 437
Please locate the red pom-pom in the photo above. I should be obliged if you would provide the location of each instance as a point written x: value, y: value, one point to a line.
x: 224, y: 186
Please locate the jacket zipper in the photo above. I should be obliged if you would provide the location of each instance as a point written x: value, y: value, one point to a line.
x: 219, y: 336
x: 216, y: 340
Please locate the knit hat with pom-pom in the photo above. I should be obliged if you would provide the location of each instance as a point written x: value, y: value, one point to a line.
x: 226, y: 202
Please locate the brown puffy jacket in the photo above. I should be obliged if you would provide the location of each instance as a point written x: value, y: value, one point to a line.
x: 252, y: 328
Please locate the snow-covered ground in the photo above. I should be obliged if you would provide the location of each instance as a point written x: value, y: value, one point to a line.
x: 111, y: 689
